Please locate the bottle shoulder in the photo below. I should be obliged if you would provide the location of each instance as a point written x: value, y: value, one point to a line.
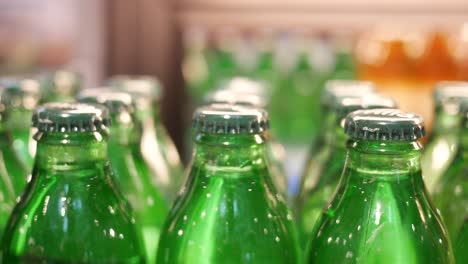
x: 377, y: 213
x: 72, y: 220
x: 229, y: 213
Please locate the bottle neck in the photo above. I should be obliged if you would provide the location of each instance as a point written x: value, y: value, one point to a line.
x: 445, y: 122
x: 385, y: 158
x: 125, y: 129
x: 239, y: 152
x: 69, y: 151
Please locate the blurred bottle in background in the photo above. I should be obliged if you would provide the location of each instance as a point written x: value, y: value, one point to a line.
x: 59, y: 86
x: 14, y: 174
x: 21, y: 97
x: 157, y: 147
x: 443, y: 143
x: 451, y: 190
x: 129, y: 167
x: 404, y: 63
x: 461, y: 246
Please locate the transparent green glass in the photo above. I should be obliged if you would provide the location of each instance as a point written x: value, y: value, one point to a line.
x: 197, y: 74
x: 303, y: 86
x: 23, y: 143
x: 461, y: 246
x: 224, y: 65
x: 157, y: 148
x: 264, y: 70
x: 326, y: 160
x: 380, y: 212
x: 240, y: 91
x: 229, y: 211
x: 345, y: 66
x: 321, y: 176
x: 136, y: 181
x: 59, y: 86
x: 21, y: 95
x: 451, y: 192
x: 13, y: 176
x: 159, y: 152
x: 71, y: 210
x: 441, y: 147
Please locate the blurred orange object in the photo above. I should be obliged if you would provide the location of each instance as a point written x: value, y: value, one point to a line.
x: 436, y: 62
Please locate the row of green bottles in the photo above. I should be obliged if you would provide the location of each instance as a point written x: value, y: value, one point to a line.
x: 294, y: 64
x: 229, y: 210
x: 323, y: 170
x: 381, y: 211
x: 72, y: 210
x: 146, y: 166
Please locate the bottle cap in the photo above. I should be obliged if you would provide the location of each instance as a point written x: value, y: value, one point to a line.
x: 229, y: 97
x: 70, y: 117
x: 230, y: 119
x: 345, y: 88
x: 384, y: 124
x: 447, y: 95
x: 114, y: 100
x: 138, y: 85
x: 342, y: 106
x: 20, y: 92
x: 61, y: 82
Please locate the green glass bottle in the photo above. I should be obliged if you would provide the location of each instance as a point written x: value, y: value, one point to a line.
x: 345, y: 64
x: 323, y: 170
x: 130, y: 169
x: 157, y: 147
x: 451, y: 191
x: 195, y: 65
x: 229, y: 210
x: 461, y: 246
x: 274, y: 150
x: 223, y: 61
x: 21, y: 96
x: 71, y: 211
x: 381, y: 212
x: 59, y: 86
x: 444, y: 140
x: 333, y: 90
x: 13, y: 173
x: 264, y: 43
